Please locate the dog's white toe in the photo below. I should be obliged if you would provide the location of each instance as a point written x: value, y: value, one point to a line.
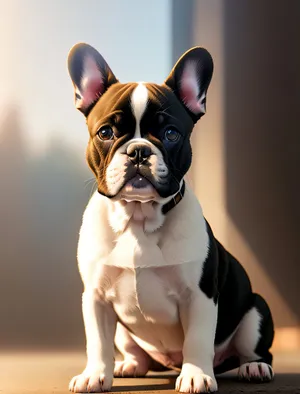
x: 193, y: 380
x: 94, y: 382
x: 256, y: 372
x: 130, y: 368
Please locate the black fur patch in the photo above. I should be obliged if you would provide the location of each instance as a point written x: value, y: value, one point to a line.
x: 227, y: 283
x: 209, y: 280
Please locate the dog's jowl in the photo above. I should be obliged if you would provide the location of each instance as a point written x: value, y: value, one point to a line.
x: 157, y: 284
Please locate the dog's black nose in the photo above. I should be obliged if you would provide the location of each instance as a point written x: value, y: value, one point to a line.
x: 138, y: 154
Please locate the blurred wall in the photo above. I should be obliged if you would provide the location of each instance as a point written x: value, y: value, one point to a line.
x: 44, y: 180
x: 247, y: 147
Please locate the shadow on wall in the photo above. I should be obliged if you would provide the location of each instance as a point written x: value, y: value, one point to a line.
x: 262, y: 134
x: 42, y: 201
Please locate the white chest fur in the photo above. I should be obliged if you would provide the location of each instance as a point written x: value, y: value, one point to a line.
x: 144, y: 275
x: 143, y: 295
x: 150, y: 294
x: 181, y: 239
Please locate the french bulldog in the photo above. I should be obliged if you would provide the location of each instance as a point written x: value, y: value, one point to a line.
x: 157, y: 283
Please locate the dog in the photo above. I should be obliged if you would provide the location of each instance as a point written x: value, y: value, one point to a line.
x: 157, y: 283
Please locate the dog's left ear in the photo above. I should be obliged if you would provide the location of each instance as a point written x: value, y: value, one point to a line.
x: 190, y: 79
x: 90, y: 74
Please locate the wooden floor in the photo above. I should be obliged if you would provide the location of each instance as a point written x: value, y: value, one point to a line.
x: 49, y: 373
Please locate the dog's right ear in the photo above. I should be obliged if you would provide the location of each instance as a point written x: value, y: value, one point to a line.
x: 190, y: 79
x: 90, y: 74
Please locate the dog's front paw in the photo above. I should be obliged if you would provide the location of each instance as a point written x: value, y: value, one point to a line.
x: 256, y: 372
x: 92, y: 381
x: 130, y: 368
x: 193, y: 380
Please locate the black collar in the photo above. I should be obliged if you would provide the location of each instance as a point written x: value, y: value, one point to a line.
x: 175, y: 200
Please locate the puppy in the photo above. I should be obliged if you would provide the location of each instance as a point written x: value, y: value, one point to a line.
x: 156, y: 281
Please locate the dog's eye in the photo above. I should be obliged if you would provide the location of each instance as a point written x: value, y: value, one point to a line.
x: 172, y: 135
x: 106, y: 133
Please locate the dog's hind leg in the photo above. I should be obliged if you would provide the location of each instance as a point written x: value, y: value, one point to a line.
x: 253, y: 341
x: 136, y: 361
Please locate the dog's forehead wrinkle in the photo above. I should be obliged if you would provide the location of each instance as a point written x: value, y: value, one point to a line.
x: 135, y: 97
x: 115, y: 101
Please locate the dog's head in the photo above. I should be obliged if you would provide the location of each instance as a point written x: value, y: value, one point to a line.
x: 139, y: 147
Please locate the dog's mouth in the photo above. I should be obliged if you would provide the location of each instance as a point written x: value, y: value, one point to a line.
x: 138, y: 188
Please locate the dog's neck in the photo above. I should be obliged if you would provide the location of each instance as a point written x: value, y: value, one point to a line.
x: 149, y: 215
x: 175, y: 200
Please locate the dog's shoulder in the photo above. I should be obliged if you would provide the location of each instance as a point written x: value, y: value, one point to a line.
x: 95, y: 236
x: 225, y: 280
x: 184, y: 237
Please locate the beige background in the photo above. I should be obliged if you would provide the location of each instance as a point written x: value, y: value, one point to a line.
x: 247, y: 149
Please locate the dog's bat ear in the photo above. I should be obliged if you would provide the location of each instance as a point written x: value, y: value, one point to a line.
x: 90, y: 74
x: 190, y: 79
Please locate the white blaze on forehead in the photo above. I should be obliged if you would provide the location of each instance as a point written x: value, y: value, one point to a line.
x: 139, y: 101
